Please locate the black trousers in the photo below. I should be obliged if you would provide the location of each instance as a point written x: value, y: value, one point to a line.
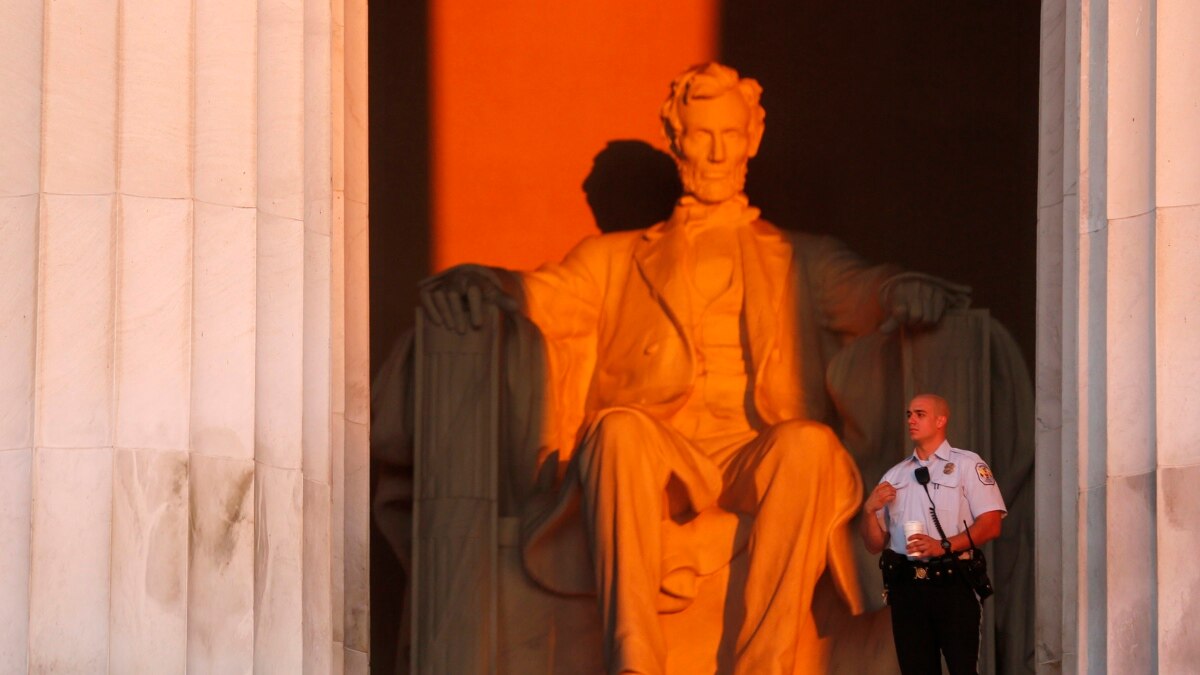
x: 929, y: 619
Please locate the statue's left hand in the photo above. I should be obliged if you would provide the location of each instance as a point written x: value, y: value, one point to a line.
x: 456, y: 298
x: 919, y: 301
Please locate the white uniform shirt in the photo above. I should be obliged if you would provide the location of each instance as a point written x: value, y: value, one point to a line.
x: 960, y: 483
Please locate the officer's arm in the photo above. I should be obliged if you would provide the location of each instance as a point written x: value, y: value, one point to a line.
x: 985, y: 528
x: 873, y: 533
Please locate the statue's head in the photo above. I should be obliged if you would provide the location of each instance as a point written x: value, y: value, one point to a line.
x: 714, y: 123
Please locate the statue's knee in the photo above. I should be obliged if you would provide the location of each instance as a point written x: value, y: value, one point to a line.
x: 623, y: 422
x: 803, y: 444
x: 619, y: 432
x: 802, y: 433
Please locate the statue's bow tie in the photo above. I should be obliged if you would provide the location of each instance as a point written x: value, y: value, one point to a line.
x: 697, y: 216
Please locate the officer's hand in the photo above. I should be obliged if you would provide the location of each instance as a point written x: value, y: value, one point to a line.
x: 882, y: 495
x: 456, y: 298
x: 920, y: 301
x: 924, y: 546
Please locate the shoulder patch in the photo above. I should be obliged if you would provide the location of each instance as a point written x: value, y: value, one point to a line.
x: 985, y: 474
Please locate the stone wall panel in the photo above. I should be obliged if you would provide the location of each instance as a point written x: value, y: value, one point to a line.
x: 1177, y: 103
x: 79, y: 106
x: 1178, y: 530
x: 1177, y: 329
x: 21, y: 105
x: 318, y: 584
x: 75, y: 321
x: 317, y: 358
x: 226, y: 106
x: 223, y: 342
x: 148, y: 615
x: 69, y: 591
x: 156, y: 98
x: 281, y: 108
x: 153, y: 323
x: 1129, y: 343
x: 278, y: 574
x: 279, y: 335
x: 18, y: 318
x: 16, y: 492
x: 221, y: 546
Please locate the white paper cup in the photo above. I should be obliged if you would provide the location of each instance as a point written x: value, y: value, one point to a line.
x: 912, y: 527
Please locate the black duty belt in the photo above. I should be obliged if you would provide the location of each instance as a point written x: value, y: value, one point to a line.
x: 898, y: 570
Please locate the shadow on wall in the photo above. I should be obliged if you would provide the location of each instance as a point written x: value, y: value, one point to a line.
x: 631, y: 186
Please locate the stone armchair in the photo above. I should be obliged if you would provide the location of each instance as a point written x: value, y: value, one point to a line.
x: 458, y: 431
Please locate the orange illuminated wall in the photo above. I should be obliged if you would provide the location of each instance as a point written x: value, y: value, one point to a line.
x: 525, y: 94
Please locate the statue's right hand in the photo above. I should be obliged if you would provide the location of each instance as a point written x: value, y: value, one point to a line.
x: 882, y: 495
x: 456, y: 298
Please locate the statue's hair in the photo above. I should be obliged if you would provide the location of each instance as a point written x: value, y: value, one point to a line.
x: 708, y: 80
x: 941, y: 406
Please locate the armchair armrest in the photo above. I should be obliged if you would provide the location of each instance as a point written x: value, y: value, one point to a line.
x: 456, y: 501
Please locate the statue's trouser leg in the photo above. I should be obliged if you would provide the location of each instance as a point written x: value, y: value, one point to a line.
x: 791, y: 478
x: 624, y: 472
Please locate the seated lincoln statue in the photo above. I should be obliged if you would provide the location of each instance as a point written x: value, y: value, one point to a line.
x: 688, y: 362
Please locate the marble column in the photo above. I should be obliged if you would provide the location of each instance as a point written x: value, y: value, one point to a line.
x: 1119, y: 336
x: 182, y: 412
x: 20, y: 185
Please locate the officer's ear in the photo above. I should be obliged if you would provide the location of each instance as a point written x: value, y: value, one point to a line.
x: 941, y: 421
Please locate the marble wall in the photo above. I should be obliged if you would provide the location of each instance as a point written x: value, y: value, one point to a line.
x: 183, y: 406
x: 1118, y: 374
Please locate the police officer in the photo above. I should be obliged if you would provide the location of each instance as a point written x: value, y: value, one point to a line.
x: 934, y: 608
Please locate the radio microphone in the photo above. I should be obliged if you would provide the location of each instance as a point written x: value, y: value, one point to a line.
x: 922, y: 474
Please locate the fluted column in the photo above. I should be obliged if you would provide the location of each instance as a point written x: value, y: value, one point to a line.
x: 1177, y: 327
x: 20, y: 187
x: 181, y: 332
x: 74, y: 390
x: 221, y: 618
x: 353, y: 298
x: 1119, y: 336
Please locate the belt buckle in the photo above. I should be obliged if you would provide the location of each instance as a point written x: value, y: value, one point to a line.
x: 920, y: 572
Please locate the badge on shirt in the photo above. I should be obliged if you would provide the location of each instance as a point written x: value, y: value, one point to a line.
x: 985, y: 474
x: 949, y: 468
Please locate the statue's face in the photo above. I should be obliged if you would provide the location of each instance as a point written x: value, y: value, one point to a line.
x: 715, y: 145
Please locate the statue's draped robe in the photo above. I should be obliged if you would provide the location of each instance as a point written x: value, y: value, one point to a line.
x: 709, y: 385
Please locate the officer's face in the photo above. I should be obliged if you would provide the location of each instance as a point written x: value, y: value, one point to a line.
x: 925, y: 421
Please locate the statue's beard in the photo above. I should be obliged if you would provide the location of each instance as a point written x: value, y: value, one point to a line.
x: 712, y: 190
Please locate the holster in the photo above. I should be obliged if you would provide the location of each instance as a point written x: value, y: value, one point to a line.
x: 975, y: 571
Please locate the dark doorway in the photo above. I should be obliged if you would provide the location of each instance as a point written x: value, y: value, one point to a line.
x: 399, y: 242
x: 908, y: 130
